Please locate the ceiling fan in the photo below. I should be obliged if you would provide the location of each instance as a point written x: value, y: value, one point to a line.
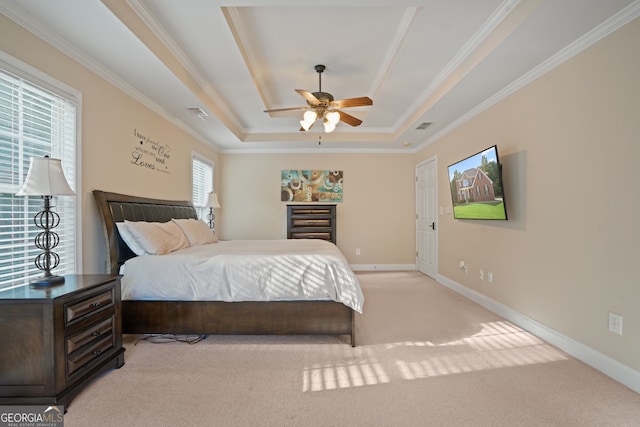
x: 322, y: 105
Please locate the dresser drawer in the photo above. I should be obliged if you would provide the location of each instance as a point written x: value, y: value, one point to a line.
x: 76, y: 310
x: 304, y: 210
x: 95, y: 332
x: 88, y: 354
x: 324, y: 235
x: 305, y: 222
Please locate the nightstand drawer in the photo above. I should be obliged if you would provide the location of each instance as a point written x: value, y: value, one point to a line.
x: 94, y: 333
x: 88, y: 354
x: 298, y: 222
x: 80, y: 309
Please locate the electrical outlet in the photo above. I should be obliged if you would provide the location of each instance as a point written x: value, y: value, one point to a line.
x: 615, y: 323
x: 463, y: 266
x: 357, y: 251
x: 490, y: 277
x: 481, y: 274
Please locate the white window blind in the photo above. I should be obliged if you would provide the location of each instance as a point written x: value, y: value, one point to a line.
x: 33, y: 122
x: 202, y: 171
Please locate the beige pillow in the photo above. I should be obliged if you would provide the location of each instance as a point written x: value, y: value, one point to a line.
x: 157, y: 238
x: 197, y: 231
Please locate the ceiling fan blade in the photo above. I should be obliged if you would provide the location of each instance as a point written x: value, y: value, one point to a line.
x: 286, y: 109
x: 349, y: 119
x: 352, y: 102
x: 312, y: 100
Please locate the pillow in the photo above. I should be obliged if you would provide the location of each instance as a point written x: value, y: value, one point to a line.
x: 196, y: 231
x: 157, y: 238
x: 130, y: 239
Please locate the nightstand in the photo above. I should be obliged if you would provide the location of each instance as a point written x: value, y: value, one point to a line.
x: 55, y: 340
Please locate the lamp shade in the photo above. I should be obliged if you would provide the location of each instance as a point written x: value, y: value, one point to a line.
x: 212, y: 201
x: 45, y: 178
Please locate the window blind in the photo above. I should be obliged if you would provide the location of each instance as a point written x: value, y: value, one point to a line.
x: 202, y: 184
x: 34, y: 122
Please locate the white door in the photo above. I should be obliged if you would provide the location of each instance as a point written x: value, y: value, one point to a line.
x: 426, y: 217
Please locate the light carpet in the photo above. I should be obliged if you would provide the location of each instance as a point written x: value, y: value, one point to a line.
x: 425, y: 356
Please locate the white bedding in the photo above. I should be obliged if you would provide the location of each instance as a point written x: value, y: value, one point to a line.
x: 245, y: 270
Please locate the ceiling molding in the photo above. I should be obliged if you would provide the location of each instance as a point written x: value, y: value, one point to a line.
x: 394, y: 50
x: 421, y: 104
x: 612, y: 24
x: 237, y: 31
x: 175, y: 49
x: 43, y: 32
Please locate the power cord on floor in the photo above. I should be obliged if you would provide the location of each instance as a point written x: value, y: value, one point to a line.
x: 165, y: 338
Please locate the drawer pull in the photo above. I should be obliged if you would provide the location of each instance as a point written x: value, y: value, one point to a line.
x: 96, y: 333
x: 97, y: 352
x: 96, y: 304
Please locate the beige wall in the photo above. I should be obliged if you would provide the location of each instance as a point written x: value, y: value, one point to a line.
x: 569, y: 144
x: 377, y: 214
x: 109, y: 118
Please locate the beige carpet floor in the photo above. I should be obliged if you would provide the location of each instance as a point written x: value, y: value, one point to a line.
x: 425, y: 357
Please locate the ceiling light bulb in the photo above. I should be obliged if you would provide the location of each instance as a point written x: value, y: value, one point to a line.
x: 310, y: 116
x: 333, y: 117
x: 305, y: 125
x: 329, y: 127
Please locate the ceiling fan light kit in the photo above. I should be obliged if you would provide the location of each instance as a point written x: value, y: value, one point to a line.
x: 322, y: 105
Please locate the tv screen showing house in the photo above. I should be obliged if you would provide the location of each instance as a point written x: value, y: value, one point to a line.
x: 476, y: 186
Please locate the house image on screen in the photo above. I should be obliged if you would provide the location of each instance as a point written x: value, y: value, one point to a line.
x: 475, y: 186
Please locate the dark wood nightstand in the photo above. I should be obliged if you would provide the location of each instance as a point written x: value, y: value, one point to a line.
x: 54, y: 340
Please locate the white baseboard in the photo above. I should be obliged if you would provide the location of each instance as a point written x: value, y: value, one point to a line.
x: 603, y: 363
x: 382, y: 267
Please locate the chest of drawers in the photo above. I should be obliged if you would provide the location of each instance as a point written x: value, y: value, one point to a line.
x: 55, y: 340
x: 311, y: 222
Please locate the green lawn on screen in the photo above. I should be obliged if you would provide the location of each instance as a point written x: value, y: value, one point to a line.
x: 480, y: 211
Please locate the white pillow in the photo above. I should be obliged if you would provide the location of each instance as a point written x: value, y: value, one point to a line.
x: 197, y: 231
x: 157, y: 238
x: 130, y: 239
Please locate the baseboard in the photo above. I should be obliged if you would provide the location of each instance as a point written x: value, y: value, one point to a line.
x: 603, y: 363
x: 382, y: 267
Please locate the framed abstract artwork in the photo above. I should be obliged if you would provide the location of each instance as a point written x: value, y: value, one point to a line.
x: 324, y: 186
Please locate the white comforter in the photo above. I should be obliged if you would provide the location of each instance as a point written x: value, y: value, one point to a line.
x: 245, y: 270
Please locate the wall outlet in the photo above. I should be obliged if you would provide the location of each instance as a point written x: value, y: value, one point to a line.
x: 463, y: 266
x: 481, y: 274
x: 490, y: 277
x: 357, y: 251
x: 615, y: 323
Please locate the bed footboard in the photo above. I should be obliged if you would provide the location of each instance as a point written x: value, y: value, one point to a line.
x: 248, y: 318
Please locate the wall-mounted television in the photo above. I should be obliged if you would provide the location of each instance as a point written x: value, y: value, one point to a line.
x: 476, y: 185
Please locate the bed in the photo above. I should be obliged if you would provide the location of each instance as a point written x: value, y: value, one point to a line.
x: 204, y: 316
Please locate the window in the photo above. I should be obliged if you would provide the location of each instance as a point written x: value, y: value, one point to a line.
x: 202, y: 184
x: 36, y: 119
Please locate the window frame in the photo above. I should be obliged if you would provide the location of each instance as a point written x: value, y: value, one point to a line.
x: 201, y: 209
x: 38, y: 78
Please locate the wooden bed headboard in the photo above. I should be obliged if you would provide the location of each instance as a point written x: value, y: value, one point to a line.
x: 114, y: 207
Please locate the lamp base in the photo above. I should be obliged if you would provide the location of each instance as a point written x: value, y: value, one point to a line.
x: 45, y: 281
